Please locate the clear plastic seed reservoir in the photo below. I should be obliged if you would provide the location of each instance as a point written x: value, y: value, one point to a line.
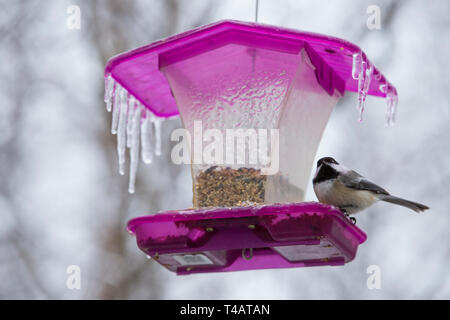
x: 254, y: 101
x: 258, y: 97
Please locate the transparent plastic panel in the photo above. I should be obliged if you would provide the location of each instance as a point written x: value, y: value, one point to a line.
x: 253, y: 103
x: 305, y: 113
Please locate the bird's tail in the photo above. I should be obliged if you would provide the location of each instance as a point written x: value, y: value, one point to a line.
x: 417, y: 207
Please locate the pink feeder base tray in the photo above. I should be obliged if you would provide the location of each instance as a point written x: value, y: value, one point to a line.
x: 247, y: 238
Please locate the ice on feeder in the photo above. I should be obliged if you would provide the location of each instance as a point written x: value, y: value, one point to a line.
x: 362, y: 95
x: 133, y: 124
x: 109, y: 92
x: 134, y: 148
x: 146, y: 138
x: 157, y: 122
x: 121, y: 130
x: 131, y: 110
x: 391, y: 101
x: 362, y: 71
x: 356, y: 65
x: 116, y: 108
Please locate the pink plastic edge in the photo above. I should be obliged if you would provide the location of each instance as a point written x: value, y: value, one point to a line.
x: 160, y: 45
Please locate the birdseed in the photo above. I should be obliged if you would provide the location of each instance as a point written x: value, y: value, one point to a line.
x: 226, y: 187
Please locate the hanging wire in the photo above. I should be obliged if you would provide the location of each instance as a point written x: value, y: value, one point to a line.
x: 254, y: 52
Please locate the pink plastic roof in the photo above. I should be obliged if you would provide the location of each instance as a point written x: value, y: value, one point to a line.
x: 138, y: 71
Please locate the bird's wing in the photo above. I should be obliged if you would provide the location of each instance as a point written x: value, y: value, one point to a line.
x: 354, y: 180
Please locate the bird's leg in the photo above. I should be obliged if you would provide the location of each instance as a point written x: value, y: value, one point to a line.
x: 344, y: 211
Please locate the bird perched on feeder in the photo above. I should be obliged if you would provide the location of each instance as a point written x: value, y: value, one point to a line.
x: 349, y: 191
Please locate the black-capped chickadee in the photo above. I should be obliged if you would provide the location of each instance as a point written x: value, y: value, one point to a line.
x: 349, y: 191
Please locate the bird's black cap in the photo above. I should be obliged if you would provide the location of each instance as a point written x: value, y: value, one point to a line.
x: 326, y: 160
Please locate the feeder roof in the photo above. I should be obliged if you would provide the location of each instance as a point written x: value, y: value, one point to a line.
x: 138, y: 70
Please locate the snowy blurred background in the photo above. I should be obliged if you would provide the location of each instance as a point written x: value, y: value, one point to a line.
x: 62, y: 201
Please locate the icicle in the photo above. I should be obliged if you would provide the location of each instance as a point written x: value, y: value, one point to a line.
x: 135, y: 130
x: 361, y: 97
x: 391, y: 101
x: 134, y: 149
x: 132, y: 104
x: 356, y: 65
x: 157, y: 123
x: 121, y: 130
x: 394, y: 107
x: 116, y: 109
x: 110, y: 101
x: 109, y: 92
x: 146, y: 138
x: 364, y: 80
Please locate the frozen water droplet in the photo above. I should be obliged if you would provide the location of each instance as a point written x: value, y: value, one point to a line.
x: 368, y: 79
x: 134, y: 149
x: 109, y: 92
x: 394, y: 108
x: 121, y: 130
x: 146, y: 138
x: 131, y: 109
x: 361, y: 97
x: 157, y: 123
x: 110, y: 101
x: 136, y: 127
x: 391, y: 102
x: 364, y: 80
x: 356, y: 65
x: 116, y: 109
x: 106, y: 97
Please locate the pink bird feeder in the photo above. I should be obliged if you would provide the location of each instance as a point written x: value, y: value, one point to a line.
x: 277, y: 87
